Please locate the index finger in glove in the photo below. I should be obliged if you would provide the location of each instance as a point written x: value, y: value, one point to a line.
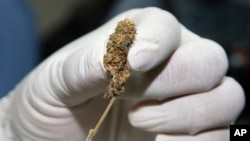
x: 197, y: 65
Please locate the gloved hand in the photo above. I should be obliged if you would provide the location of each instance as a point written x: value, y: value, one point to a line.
x: 178, y: 75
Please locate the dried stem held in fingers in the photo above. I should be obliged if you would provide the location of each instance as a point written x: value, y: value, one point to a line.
x: 115, y: 63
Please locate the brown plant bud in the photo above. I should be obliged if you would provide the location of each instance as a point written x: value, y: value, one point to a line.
x: 115, y: 60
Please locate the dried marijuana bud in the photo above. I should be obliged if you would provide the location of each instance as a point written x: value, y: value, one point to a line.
x: 115, y: 60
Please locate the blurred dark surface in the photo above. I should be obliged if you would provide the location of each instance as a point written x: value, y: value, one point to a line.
x: 225, y: 21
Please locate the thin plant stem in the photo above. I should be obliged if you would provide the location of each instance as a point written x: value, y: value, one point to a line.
x: 92, y: 132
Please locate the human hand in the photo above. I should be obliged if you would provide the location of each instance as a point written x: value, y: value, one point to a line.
x: 180, y: 71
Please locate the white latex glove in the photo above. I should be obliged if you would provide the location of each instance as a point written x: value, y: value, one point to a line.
x: 179, y: 75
